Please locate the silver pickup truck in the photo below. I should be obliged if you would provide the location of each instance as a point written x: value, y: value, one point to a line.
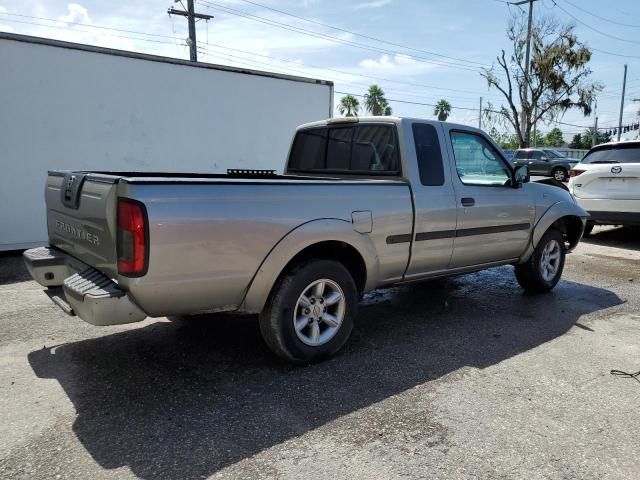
x: 362, y: 204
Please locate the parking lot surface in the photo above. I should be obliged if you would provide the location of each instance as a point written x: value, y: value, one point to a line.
x: 462, y: 378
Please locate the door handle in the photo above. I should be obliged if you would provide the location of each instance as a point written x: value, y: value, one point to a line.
x: 468, y: 202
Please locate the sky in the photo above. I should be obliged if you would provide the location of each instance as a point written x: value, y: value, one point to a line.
x: 418, y: 51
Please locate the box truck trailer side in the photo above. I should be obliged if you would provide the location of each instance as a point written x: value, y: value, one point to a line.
x: 77, y: 107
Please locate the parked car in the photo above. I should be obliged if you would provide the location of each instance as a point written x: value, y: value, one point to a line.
x: 606, y: 183
x: 363, y: 203
x: 545, y: 162
x: 509, y: 155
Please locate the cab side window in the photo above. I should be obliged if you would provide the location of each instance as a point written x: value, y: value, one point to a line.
x: 477, y: 161
x: 429, y: 154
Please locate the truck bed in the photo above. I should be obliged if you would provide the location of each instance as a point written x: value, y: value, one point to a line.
x: 209, y: 233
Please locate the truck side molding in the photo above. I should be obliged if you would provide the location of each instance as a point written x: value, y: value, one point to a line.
x: 296, y: 241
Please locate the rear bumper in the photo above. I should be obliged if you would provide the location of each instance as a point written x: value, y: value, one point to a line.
x: 80, y: 289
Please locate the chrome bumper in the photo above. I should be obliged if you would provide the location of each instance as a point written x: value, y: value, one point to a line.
x: 79, y: 289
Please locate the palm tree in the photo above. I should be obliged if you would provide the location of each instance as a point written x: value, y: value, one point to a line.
x: 375, y: 101
x: 349, y: 106
x: 442, y: 110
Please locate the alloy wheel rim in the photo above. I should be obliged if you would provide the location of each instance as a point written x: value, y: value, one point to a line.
x: 319, y: 312
x: 559, y: 175
x: 550, y: 260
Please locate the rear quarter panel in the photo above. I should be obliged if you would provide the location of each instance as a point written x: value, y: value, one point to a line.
x: 208, y: 240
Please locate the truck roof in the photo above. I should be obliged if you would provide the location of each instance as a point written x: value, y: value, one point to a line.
x: 383, y: 119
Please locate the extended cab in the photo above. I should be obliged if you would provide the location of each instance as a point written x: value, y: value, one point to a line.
x: 363, y: 203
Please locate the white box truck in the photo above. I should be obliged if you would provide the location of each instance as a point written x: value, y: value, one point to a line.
x: 71, y: 106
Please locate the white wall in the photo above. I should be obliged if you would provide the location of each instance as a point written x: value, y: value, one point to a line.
x: 69, y: 109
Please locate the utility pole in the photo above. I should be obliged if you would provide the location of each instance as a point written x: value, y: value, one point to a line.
x: 624, y: 86
x: 191, y: 18
x: 535, y: 125
x: 523, y: 121
x: 595, y: 125
x: 480, y: 117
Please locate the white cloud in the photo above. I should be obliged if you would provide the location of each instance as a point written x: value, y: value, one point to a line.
x: 399, y: 63
x: 76, y: 14
x: 371, y: 4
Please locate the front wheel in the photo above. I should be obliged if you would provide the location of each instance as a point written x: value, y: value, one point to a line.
x: 560, y: 174
x: 543, y: 270
x: 588, y: 229
x: 309, y: 315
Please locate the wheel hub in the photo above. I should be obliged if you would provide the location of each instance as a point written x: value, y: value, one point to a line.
x: 319, y: 312
x: 550, y: 260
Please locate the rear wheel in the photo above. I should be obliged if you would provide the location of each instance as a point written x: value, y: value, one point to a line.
x: 560, y: 174
x: 309, y: 315
x: 543, y: 270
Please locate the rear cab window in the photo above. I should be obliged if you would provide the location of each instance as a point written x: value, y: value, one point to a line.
x: 621, y: 153
x: 365, y: 149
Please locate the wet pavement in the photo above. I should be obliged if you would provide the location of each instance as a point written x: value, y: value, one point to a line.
x: 467, y: 377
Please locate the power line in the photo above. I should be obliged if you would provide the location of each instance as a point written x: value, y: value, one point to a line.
x: 88, y: 31
x: 86, y: 25
x: 169, y: 37
x: 343, y: 72
x: 593, y: 28
x: 330, y: 38
x: 601, y: 17
x: 613, y: 53
x: 369, y: 37
x: 407, y: 101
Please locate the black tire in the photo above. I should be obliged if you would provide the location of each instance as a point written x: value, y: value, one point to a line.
x: 530, y: 274
x: 560, y: 174
x: 588, y: 228
x: 277, y: 318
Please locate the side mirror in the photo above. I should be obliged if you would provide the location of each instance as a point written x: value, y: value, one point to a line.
x: 544, y: 159
x: 520, y: 176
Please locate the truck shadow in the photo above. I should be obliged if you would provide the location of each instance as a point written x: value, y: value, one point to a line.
x: 174, y: 400
x: 12, y: 269
x: 628, y: 238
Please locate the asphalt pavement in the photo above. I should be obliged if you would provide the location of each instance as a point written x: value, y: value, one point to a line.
x: 467, y: 377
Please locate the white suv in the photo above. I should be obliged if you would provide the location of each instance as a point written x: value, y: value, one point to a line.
x: 606, y: 183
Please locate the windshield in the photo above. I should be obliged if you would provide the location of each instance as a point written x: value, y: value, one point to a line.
x: 553, y: 153
x: 614, y: 154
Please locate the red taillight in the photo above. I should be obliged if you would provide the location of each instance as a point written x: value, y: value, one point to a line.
x: 575, y: 172
x: 132, y: 238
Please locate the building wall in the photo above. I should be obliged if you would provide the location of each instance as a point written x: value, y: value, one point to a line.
x: 62, y: 108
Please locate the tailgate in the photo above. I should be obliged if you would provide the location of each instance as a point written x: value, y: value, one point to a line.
x: 81, y: 217
x: 615, y: 182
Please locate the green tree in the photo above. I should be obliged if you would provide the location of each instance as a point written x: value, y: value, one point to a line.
x: 559, y: 75
x: 537, y: 139
x: 349, y: 106
x: 587, y: 138
x: 505, y: 140
x: 442, y: 110
x: 576, y: 142
x: 554, y: 138
x: 375, y: 101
